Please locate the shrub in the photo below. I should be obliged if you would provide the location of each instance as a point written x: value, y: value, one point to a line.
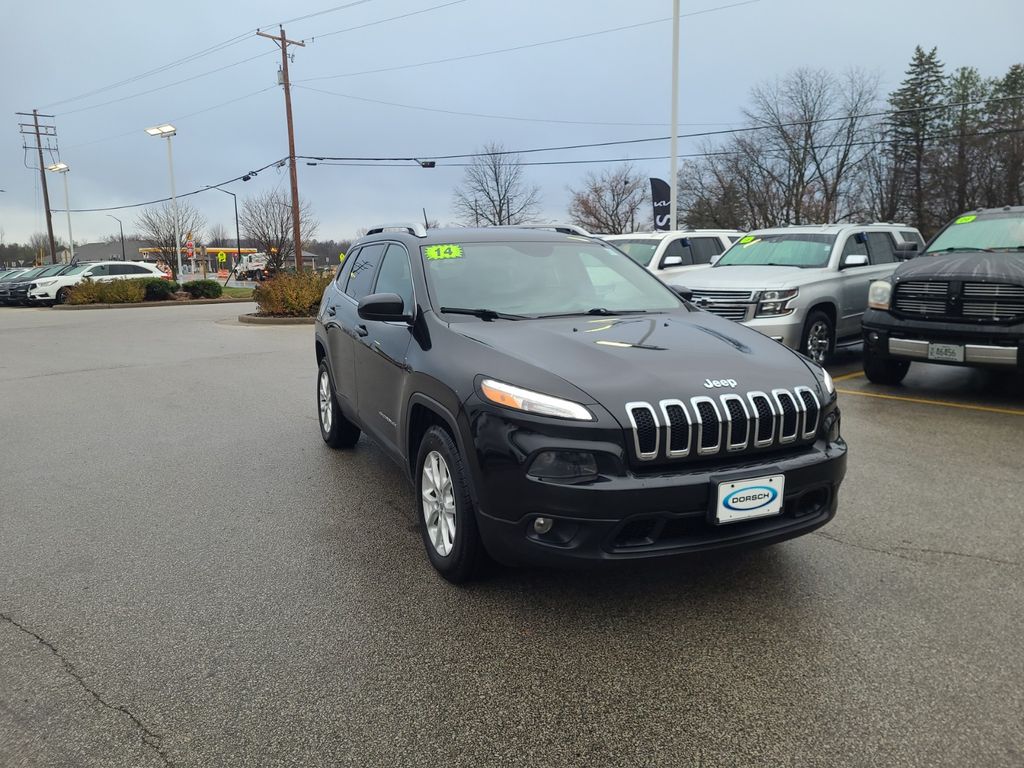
x: 291, y: 295
x: 203, y: 289
x: 158, y: 289
x: 86, y: 292
x: 114, y: 292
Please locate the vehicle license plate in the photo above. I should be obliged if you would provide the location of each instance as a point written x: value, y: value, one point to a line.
x: 951, y: 352
x: 749, y: 499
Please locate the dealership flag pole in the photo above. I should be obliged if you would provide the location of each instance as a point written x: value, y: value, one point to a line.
x: 672, y: 179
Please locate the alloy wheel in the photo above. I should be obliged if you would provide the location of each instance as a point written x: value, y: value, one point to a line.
x: 818, y: 341
x: 324, y: 399
x: 438, y: 496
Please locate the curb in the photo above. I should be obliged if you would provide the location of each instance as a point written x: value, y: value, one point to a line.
x: 147, y: 304
x: 259, y: 320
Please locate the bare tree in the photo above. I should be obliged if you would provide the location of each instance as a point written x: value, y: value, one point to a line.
x: 218, y: 235
x: 266, y: 220
x: 611, y: 201
x: 156, y: 227
x: 493, y: 191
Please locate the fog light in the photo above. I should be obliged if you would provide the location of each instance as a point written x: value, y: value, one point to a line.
x: 564, y: 465
x: 543, y: 525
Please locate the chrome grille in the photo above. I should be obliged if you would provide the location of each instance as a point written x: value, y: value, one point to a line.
x: 735, y: 296
x: 732, y: 305
x: 920, y: 297
x: 998, y: 301
x: 728, y: 423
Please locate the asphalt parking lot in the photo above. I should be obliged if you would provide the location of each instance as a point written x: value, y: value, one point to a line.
x: 189, y: 577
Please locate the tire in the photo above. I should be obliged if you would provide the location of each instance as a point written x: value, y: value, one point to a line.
x: 446, y: 513
x: 62, y: 296
x: 884, y: 370
x: 335, y: 429
x: 818, y: 340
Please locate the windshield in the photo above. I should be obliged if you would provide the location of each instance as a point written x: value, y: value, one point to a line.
x: 640, y: 250
x: 983, y: 231
x: 541, y: 278
x: 28, y: 275
x: 54, y: 270
x: 780, y: 250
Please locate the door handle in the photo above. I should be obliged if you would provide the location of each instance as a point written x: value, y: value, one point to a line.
x: 361, y: 331
x: 331, y: 310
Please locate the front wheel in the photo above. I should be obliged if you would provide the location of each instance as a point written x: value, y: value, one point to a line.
x: 447, y: 516
x: 819, y: 338
x: 62, y: 296
x: 335, y: 429
x: 884, y: 370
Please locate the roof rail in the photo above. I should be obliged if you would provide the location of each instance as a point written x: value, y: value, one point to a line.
x: 413, y: 229
x: 565, y: 229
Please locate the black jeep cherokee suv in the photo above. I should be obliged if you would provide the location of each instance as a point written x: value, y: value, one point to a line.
x: 961, y: 303
x: 553, y: 401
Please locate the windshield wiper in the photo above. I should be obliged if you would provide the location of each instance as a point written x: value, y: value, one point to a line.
x: 962, y: 248
x: 600, y: 311
x: 483, y: 314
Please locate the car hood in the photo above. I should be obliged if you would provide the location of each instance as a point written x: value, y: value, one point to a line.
x: 971, y: 265
x: 743, y: 276
x: 616, y: 360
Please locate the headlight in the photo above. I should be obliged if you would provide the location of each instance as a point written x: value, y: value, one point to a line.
x: 880, y: 294
x: 532, y: 402
x: 41, y: 284
x: 775, y: 303
x: 830, y: 386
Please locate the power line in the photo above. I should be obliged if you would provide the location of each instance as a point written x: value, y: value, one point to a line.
x: 242, y: 177
x: 391, y: 18
x: 700, y: 134
x: 491, y: 117
x: 318, y: 13
x: 523, y: 47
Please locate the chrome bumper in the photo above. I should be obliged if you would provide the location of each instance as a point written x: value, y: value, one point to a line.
x: 978, y: 354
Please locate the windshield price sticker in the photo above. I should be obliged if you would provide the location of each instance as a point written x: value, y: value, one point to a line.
x: 747, y: 239
x: 439, y: 252
x: 965, y: 219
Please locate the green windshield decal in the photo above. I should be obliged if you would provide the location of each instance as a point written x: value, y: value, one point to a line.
x: 965, y: 219
x: 438, y: 252
x: 747, y: 239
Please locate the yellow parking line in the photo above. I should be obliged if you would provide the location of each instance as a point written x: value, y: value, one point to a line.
x: 848, y: 376
x: 964, y: 406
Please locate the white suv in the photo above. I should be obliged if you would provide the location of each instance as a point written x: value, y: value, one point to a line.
x: 667, y: 254
x: 54, y: 290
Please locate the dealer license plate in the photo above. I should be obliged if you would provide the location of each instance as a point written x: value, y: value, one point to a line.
x: 952, y: 352
x: 749, y: 499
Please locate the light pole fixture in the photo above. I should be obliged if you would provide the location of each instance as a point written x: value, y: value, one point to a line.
x: 166, y: 131
x: 62, y: 168
x: 238, y: 237
x: 121, y: 227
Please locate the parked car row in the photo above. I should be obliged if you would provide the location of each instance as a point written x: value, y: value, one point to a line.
x: 49, y: 285
x: 960, y: 301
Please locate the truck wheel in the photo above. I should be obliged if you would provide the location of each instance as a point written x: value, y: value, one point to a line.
x: 447, y: 516
x: 335, y: 429
x: 62, y: 296
x: 819, y: 337
x: 884, y: 370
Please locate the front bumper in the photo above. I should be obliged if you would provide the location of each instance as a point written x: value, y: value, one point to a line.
x: 632, y: 515
x: 783, y: 329
x: 41, y: 295
x: 996, y: 346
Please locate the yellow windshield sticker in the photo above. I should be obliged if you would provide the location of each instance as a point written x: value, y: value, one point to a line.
x: 747, y: 239
x: 438, y: 252
x: 965, y: 219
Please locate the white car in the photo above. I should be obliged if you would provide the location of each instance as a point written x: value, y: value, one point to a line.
x: 668, y: 254
x: 54, y: 290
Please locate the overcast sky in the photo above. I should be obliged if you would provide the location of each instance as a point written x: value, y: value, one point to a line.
x: 57, y: 50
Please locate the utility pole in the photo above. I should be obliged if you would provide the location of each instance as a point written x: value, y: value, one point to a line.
x: 283, y: 43
x: 39, y: 132
x: 674, y: 151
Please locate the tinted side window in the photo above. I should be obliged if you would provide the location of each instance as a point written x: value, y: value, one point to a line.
x: 856, y: 245
x: 136, y: 269
x: 395, y: 275
x: 118, y: 269
x: 343, y: 271
x: 704, y: 248
x: 676, y: 248
x: 880, y: 248
x: 911, y: 236
x: 362, y: 270
x: 100, y: 270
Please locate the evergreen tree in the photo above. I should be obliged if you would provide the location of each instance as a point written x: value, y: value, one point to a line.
x: 1006, y: 121
x: 915, y: 121
x: 961, y: 154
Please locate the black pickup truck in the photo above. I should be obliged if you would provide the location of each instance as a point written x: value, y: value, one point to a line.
x: 553, y: 402
x: 960, y: 303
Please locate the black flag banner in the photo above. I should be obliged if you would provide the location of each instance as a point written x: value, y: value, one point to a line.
x: 661, y: 199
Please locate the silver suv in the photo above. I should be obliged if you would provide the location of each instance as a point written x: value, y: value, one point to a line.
x: 806, y: 286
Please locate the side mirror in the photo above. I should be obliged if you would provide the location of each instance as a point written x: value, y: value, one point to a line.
x: 716, y: 258
x: 682, y: 292
x: 854, y: 260
x: 672, y: 261
x: 906, y: 250
x: 385, y: 307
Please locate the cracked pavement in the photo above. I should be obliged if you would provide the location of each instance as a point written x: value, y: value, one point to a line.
x: 188, y: 577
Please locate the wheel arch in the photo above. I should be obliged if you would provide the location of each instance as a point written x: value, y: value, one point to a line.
x: 424, y: 412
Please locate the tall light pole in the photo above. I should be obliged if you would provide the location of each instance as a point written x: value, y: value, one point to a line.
x: 238, y: 237
x: 674, y: 149
x: 121, y: 227
x: 62, y: 169
x: 166, y: 131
